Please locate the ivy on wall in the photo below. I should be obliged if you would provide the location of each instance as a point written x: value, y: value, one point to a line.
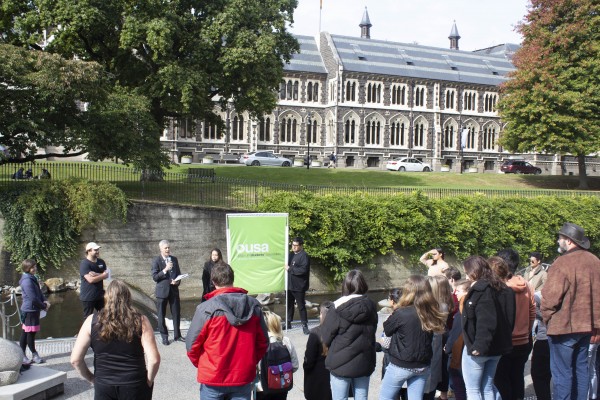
x: 345, y: 232
x: 44, y: 219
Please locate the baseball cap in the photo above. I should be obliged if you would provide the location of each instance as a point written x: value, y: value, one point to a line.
x: 91, y: 245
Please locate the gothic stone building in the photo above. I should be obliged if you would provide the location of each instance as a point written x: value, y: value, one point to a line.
x: 369, y: 101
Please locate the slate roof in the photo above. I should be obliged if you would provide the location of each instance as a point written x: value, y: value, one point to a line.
x: 417, y: 61
x: 309, y: 59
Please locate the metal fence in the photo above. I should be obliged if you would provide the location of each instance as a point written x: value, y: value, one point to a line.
x: 206, y: 190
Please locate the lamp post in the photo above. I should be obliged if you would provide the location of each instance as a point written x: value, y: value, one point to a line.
x: 308, y: 134
x: 254, y: 145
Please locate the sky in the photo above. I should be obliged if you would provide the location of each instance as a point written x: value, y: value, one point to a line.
x: 480, y: 23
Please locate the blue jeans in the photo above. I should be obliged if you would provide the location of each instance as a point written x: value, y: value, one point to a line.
x: 396, y: 376
x: 225, y: 392
x: 569, y: 365
x: 478, y: 373
x: 340, y: 387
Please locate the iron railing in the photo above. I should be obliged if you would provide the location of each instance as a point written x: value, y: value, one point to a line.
x: 7, y: 316
x: 230, y: 193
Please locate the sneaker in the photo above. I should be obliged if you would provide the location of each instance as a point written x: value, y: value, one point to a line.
x: 37, y: 359
x: 26, y: 361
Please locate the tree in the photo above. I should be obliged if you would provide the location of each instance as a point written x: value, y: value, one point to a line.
x: 182, y: 57
x: 42, y: 98
x: 552, y: 101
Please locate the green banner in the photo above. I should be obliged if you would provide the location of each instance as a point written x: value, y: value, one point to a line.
x: 257, y: 249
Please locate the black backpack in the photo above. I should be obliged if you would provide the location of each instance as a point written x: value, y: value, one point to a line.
x: 276, y: 370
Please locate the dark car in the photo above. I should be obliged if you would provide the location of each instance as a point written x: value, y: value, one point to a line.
x: 519, y: 167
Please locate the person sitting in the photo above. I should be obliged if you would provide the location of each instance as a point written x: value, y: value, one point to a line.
x: 29, y: 174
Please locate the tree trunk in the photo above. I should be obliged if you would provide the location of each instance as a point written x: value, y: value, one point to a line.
x: 583, y: 179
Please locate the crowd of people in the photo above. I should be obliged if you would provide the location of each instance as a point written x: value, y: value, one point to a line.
x: 473, y: 333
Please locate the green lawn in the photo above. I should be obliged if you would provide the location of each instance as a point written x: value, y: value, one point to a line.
x: 379, y: 178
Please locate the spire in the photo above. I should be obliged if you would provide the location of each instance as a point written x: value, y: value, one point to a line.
x: 365, y: 26
x: 454, y: 36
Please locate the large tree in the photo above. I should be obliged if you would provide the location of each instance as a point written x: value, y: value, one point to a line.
x: 178, y: 56
x: 552, y: 101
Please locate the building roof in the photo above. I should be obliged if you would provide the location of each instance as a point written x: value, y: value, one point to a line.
x: 308, y: 59
x: 417, y: 61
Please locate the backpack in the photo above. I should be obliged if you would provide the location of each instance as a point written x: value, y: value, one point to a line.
x: 276, y: 370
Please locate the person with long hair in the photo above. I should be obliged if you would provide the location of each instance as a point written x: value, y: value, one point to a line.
x: 273, y: 322
x: 488, y: 318
x: 411, y: 327
x: 317, y: 385
x: 510, y: 373
x: 215, y: 257
x: 33, y: 303
x: 349, y: 332
x: 120, y: 337
x: 435, y: 261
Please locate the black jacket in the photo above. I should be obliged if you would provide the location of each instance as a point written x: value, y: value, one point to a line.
x: 349, y: 332
x: 207, y: 285
x: 316, y: 376
x: 299, y: 271
x: 488, y: 319
x: 410, y: 346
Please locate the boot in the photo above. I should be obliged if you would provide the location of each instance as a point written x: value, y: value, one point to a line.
x: 288, y: 326
x: 305, y: 329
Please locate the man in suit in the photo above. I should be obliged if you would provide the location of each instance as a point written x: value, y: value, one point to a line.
x: 298, y: 271
x: 165, y: 268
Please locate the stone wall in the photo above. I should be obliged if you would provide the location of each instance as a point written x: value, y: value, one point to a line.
x: 128, y: 250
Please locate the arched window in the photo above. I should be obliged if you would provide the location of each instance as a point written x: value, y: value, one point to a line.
x: 296, y: 84
x: 471, y: 139
x: 398, y: 133
x: 311, y: 132
x: 264, y: 130
x: 237, y: 128
x: 419, y: 134
x: 309, y: 92
x: 489, y: 138
x: 373, y: 134
x: 449, y: 99
x: 288, y: 130
x: 290, y: 90
x: 448, y: 138
x: 282, y: 90
x: 350, y: 131
x: 315, y: 92
x: 350, y: 91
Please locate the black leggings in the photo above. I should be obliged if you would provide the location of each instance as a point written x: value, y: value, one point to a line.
x: 27, y: 340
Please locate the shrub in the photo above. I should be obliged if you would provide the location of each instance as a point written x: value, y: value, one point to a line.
x: 345, y: 232
x: 43, y: 219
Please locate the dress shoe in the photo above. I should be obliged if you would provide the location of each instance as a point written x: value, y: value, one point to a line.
x: 305, y: 329
x: 288, y: 326
x: 179, y: 339
x: 166, y: 342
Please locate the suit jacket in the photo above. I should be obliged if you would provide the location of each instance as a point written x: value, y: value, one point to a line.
x: 163, y: 281
x: 299, y: 271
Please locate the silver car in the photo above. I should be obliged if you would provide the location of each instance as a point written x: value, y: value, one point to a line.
x: 407, y: 164
x: 257, y: 158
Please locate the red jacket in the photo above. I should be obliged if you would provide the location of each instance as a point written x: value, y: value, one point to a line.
x: 227, y: 338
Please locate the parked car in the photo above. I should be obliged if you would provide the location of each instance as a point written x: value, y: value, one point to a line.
x: 407, y: 164
x: 257, y: 158
x: 519, y: 167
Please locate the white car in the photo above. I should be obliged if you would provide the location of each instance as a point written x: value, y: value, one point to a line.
x: 407, y: 164
x: 257, y: 158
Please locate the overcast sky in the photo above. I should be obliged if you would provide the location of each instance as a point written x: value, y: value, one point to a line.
x: 481, y: 23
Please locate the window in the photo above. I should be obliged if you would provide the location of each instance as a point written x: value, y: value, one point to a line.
x: 489, y: 138
x: 350, y: 131
x: 399, y: 94
x: 282, y: 91
x: 420, y: 130
x: 312, y: 92
x: 449, y: 105
x: 264, y: 129
x: 237, y: 128
x: 311, y: 132
x: 398, y: 133
x: 420, y: 96
x: 448, y: 137
x: 470, y: 101
x: 288, y: 130
x: 288, y: 89
x: 350, y: 91
x: 296, y: 85
x: 184, y: 128
x: 489, y: 104
x: 373, y: 133
x: 470, y: 139
x: 374, y: 93
x: 212, y: 131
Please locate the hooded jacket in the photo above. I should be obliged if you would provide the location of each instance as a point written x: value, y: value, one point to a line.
x: 488, y: 319
x: 227, y: 338
x: 524, y: 309
x: 349, y: 332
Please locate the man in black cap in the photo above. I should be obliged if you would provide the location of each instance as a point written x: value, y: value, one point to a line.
x: 298, y: 270
x: 571, y: 311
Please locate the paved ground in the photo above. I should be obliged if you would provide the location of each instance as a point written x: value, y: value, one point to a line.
x: 176, y: 378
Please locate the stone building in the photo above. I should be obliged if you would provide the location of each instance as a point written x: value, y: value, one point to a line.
x: 368, y: 101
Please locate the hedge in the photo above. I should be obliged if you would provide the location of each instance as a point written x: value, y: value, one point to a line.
x: 345, y: 232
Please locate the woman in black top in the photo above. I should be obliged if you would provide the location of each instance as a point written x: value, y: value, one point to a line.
x: 316, y: 376
x: 215, y: 257
x: 120, y: 337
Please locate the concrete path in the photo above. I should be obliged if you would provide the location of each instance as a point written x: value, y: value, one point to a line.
x: 176, y: 377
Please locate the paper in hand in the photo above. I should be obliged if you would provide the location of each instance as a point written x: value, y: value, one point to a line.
x: 180, y: 277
